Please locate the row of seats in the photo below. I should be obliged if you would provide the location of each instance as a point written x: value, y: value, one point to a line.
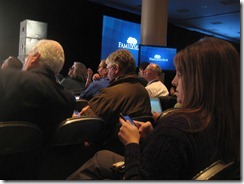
x: 23, y: 155
x: 166, y: 102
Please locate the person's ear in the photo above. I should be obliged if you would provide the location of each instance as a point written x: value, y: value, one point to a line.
x: 116, y: 68
x: 35, y: 59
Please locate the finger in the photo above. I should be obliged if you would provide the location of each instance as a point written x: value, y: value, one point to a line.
x: 138, y: 124
x: 121, y: 121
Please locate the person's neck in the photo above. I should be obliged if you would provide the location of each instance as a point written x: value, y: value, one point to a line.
x: 151, y: 81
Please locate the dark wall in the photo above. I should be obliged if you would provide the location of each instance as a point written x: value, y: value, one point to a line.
x: 77, y: 25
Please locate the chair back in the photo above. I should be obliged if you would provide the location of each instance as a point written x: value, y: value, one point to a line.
x: 77, y: 130
x: 220, y: 171
x: 18, y: 136
x: 20, y: 145
x: 80, y: 104
x: 167, y: 102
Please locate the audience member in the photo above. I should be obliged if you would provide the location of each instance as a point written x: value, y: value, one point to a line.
x: 34, y: 95
x: 155, y: 87
x: 188, y: 139
x: 12, y: 62
x: 91, y: 77
x: 142, y: 67
x: 76, y: 79
x: 124, y: 94
x: 95, y: 87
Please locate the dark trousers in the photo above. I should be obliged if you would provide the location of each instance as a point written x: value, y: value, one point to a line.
x: 98, y: 167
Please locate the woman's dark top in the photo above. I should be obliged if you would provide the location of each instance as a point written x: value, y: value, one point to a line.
x: 171, y: 153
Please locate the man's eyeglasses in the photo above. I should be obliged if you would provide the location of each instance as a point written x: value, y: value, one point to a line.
x: 110, y: 67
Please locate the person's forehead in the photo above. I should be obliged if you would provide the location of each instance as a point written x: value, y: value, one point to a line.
x: 101, y: 64
x: 149, y: 67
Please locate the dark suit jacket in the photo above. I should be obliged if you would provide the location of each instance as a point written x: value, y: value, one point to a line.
x: 124, y: 95
x: 34, y: 96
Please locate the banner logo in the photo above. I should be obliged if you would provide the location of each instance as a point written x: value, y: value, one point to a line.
x: 131, y: 44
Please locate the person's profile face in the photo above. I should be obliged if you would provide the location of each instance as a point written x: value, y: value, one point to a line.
x: 111, y: 71
x: 178, y: 83
x: 101, y: 70
x: 148, y: 73
x: 71, y: 71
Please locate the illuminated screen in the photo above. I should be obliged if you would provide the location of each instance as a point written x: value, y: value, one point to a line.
x: 163, y: 56
x: 120, y: 34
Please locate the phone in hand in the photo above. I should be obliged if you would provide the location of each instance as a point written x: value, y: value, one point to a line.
x: 125, y: 117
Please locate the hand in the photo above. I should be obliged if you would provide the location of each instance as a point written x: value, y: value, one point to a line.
x: 128, y: 133
x: 75, y: 115
x: 145, y: 128
x: 89, y: 77
x: 82, y: 112
x: 156, y: 115
x: 96, y: 76
x: 89, y: 73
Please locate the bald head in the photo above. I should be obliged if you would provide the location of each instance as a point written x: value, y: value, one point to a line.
x: 152, y: 72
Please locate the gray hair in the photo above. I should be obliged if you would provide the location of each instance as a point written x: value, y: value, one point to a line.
x: 52, y: 54
x: 124, y: 59
x: 80, y: 71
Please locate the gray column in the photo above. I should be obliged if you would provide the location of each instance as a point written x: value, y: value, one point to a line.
x: 154, y: 20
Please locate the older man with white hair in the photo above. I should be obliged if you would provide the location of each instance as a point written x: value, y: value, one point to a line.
x: 33, y: 94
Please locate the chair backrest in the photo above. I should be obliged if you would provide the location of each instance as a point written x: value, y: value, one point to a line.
x: 80, y: 104
x: 18, y: 136
x: 220, y: 171
x: 77, y: 130
x: 20, y: 146
x: 76, y: 92
x: 167, y: 102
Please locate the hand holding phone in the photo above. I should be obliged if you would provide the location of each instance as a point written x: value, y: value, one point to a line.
x: 125, y: 117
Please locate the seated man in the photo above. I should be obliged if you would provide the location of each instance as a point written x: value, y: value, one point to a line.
x: 124, y: 94
x: 154, y: 86
x: 95, y: 86
x: 34, y: 95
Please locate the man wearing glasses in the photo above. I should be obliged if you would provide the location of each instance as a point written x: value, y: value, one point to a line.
x: 124, y: 94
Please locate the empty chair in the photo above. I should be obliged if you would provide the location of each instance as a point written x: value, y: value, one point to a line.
x: 77, y: 131
x: 19, y: 149
x: 74, y: 142
x: 220, y: 171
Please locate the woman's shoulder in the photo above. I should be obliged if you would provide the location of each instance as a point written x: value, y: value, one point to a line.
x: 178, y: 121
